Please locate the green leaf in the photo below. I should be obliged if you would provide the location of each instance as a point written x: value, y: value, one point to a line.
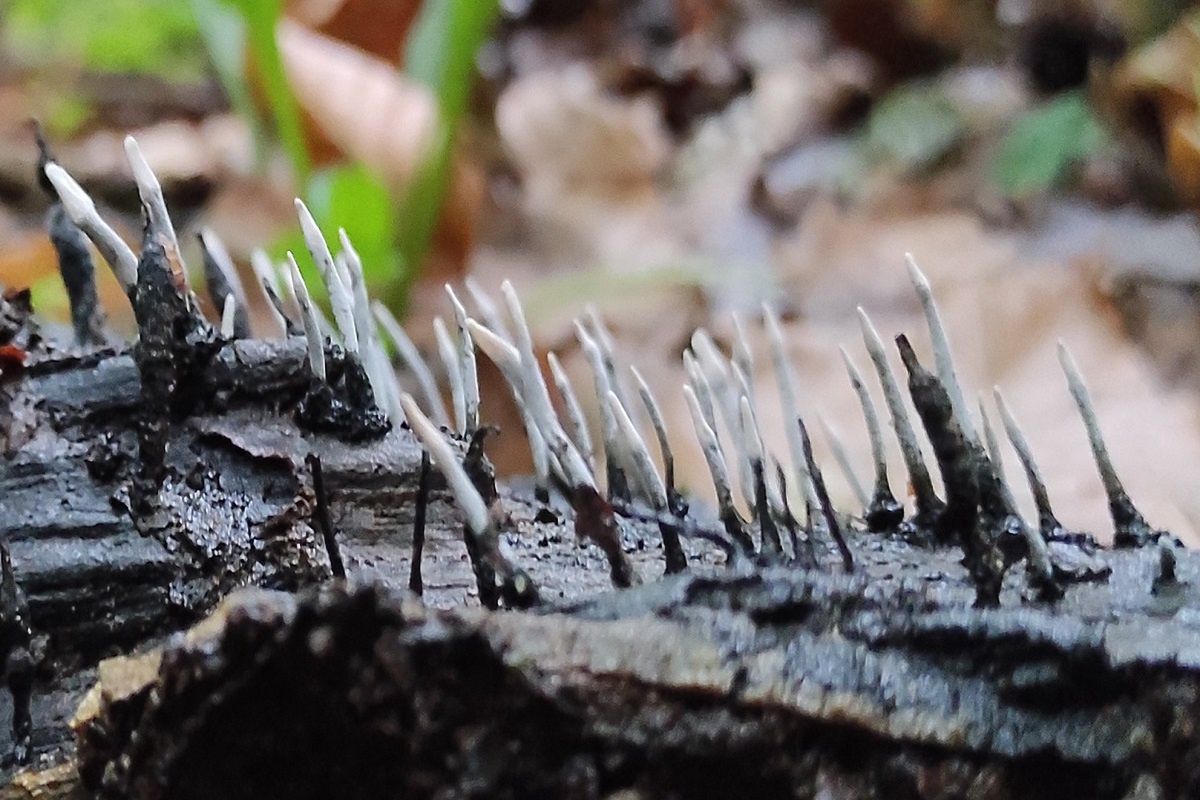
x: 441, y: 54
x: 261, y: 17
x: 150, y: 36
x: 349, y: 197
x: 913, y: 128
x: 49, y: 297
x: 224, y: 32
x: 1042, y: 146
x: 442, y: 46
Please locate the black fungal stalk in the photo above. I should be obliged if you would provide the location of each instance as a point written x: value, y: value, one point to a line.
x: 596, y: 522
x: 827, y: 510
x: 789, y: 519
x: 961, y: 520
x: 772, y: 545
x: 416, y: 583
x: 477, y: 466
x: 173, y: 344
x: 78, y: 275
x: 75, y: 263
x: 324, y: 520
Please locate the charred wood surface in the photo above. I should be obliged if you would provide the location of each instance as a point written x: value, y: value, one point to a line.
x: 765, y: 678
x: 777, y: 684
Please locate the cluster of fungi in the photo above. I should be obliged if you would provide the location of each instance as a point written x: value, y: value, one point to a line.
x: 781, y: 519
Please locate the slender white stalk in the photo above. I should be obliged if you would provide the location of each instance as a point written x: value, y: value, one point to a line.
x: 785, y: 379
x: 363, y: 325
x: 379, y: 371
x: 996, y: 457
x: 467, y: 361
x: 843, y: 460
x: 742, y: 355
x: 1038, y: 552
x: 150, y: 192
x: 742, y: 436
x: 608, y: 351
x: 711, y: 448
x: 716, y: 369
x: 575, y: 418
x: 536, y: 393
x: 449, y: 352
x: 414, y: 361
x: 1033, y: 474
x: 608, y: 425
x: 342, y: 264
x: 902, y: 426
x: 990, y: 441
x: 228, y: 313
x: 502, y: 354
x: 1083, y: 399
x: 754, y: 445
x: 874, y: 433
x: 268, y: 281
x: 82, y: 211
x: 221, y: 259
x: 445, y: 459
x: 656, y: 417
x: 701, y: 387
x: 312, y: 327
x: 634, y: 447
x: 488, y: 311
x: 538, y: 448
x: 264, y: 270
x: 388, y: 397
x: 540, y: 435
x: 755, y: 451
x: 341, y: 299
x: 942, y: 355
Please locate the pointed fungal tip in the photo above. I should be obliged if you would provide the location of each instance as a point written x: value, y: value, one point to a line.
x: 1064, y: 355
x: 74, y: 199
x: 581, y: 334
x: 750, y: 429
x: 907, y: 354
x: 1067, y: 361
x: 494, y: 347
x: 866, y: 325
x: 916, y: 275
x: 142, y: 173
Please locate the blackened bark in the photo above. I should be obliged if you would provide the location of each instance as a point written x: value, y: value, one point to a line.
x: 796, y: 678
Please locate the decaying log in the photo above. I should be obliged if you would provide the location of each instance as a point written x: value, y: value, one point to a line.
x: 781, y: 683
x: 629, y: 644
x: 237, y: 509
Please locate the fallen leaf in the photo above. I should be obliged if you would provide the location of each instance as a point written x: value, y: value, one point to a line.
x: 371, y: 112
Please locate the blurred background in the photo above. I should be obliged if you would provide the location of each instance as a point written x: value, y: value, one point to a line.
x: 674, y: 162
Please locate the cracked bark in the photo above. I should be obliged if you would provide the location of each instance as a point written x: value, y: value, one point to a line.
x: 766, y: 680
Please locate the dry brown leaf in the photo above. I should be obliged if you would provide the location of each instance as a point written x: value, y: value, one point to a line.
x: 379, y: 27
x: 589, y: 164
x: 363, y: 105
x: 1004, y: 315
